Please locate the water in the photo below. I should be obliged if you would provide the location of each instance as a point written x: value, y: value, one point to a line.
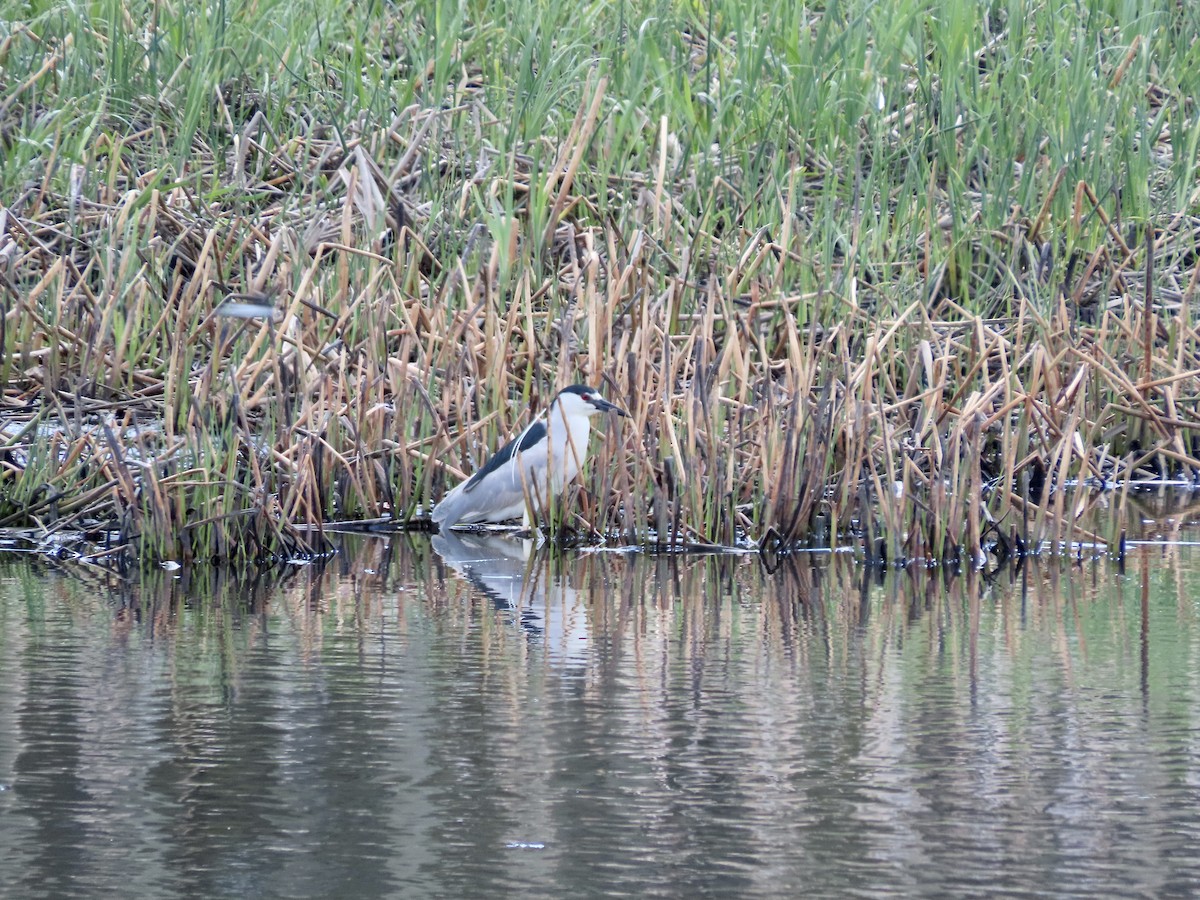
x: 408, y: 724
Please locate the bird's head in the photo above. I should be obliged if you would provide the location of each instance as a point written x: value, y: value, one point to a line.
x: 581, y: 400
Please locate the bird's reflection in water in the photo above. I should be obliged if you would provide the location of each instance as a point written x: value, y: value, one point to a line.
x: 516, y: 577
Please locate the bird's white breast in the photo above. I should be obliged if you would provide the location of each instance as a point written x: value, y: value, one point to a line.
x: 561, y: 455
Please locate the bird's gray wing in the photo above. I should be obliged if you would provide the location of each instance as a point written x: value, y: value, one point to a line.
x: 522, y: 442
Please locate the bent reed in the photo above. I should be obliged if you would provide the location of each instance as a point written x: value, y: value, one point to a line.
x: 881, y: 277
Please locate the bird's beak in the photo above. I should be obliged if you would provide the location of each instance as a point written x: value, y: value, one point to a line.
x: 604, y: 406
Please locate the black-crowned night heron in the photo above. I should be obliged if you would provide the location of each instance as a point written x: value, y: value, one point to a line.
x: 530, y: 469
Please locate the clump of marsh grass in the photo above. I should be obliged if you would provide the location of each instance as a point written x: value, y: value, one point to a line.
x: 844, y: 291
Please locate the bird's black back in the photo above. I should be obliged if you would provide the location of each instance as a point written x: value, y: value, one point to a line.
x: 522, y: 442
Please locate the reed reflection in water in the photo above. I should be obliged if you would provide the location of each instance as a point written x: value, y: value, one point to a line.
x: 469, y: 718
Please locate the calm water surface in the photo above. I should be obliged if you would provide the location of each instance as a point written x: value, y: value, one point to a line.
x: 456, y: 720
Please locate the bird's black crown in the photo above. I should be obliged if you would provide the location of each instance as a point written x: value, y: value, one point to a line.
x: 581, y: 389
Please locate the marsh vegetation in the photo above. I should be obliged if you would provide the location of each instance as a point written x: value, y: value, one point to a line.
x: 887, y: 274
